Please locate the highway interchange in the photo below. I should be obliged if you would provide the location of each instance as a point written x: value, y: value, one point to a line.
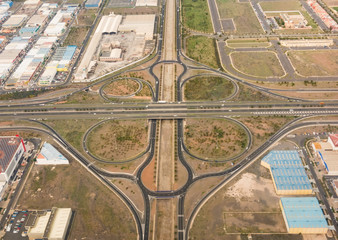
x: 178, y: 110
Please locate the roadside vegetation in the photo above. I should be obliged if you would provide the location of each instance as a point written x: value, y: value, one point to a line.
x: 214, y: 138
x: 76, y: 36
x: 121, y: 87
x: 203, y: 50
x: 259, y: 64
x: 118, y: 140
x: 98, y: 211
x: 247, y: 94
x: 248, y: 43
x: 207, y: 88
x: 196, y: 15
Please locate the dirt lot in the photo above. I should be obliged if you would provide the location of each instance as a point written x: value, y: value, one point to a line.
x: 310, y: 95
x: 100, y: 214
x: 165, y: 218
x: 214, y: 138
x: 250, y: 94
x: 207, y: 88
x: 149, y: 174
x: 285, y: 5
x: 86, y: 17
x: 315, y: 63
x: 121, y: 87
x: 260, y: 64
x: 246, y: 199
x: 242, y: 14
x: 331, y: 3
x: 118, y: 140
x: 76, y: 36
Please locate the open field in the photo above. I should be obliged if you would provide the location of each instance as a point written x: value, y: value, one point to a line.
x: 214, y: 138
x: 242, y: 14
x: 285, y: 5
x: 315, y: 63
x: 248, y: 43
x: 118, y: 140
x: 99, y: 212
x: 246, y: 199
x: 203, y: 50
x: 207, y: 88
x: 86, y: 17
x: 121, y: 87
x: 331, y: 3
x: 84, y: 97
x: 72, y: 130
x: 76, y: 36
x: 196, y: 15
x: 259, y: 64
x: 308, y: 95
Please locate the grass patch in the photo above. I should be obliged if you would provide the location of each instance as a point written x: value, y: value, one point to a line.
x: 251, y: 43
x: 243, y: 15
x: 260, y: 64
x: 76, y: 36
x: 196, y: 15
x: 247, y: 94
x: 207, y: 89
x: 315, y: 63
x: 118, y: 140
x: 214, y: 138
x: 99, y: 212
x: 335, y: 8
x: 203, y: 50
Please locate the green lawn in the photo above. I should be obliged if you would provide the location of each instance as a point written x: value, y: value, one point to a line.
x: 203, y: 50
x: 260, y: 64
x: 196, y: 15
x: 207, y: 89
x: 242, y: 14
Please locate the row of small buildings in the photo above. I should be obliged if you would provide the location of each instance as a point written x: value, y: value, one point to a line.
x: 22, y: 61
x: 324, y: 16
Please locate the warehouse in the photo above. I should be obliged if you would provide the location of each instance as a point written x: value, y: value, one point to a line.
x: 93, y: 3
x: 48, y: 76
x: 303, y: 215
x: 333, y: 140
x: 143, y: 3
x: 324, y: 151
x: 114, y: 56
x: 108, y: 24
x: 51, y: 224
x: 37, y: 20
x: 140, y: 24
x: 28, y: 32
x: 11, y: 150
x: 50, y: 156
x: 288, y: 174
x: 15, y: 21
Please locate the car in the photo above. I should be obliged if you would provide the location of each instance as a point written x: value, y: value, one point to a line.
x: 15, y: 231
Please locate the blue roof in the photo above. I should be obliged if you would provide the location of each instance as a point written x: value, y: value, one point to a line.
x: 69, y: 53
x: 287, y: 170
x: 49, y: 152
x: 28, y: 29
x: 303, y: 212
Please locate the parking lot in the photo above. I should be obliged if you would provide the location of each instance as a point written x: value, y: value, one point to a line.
x: 16, y: 226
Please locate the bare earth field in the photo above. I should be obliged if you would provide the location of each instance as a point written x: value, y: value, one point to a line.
x: 241, y: 206
x: 121, y: 87
x: 100, y: 214
x: 250, y: 94
x: 259, y: 64
x: 331, y: 3
x: 242, y: 14
x: 118, y: 140
x: 315, y: 63
x: 285, y: 5
x: 214, y: 138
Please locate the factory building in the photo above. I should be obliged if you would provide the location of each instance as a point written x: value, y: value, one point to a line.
x: 50, y: 156
x: 140, y: 24
x: 146, y: 3
x: 15, y: 21
x: 10, y: 54
x: 303, y: 215
x: 52, y: 224
x: 327, y: 152
x: 288, y: 174
x: 28, y: 32
x: 34, y: 58
x: 93, y: 3
x: 11, y: 150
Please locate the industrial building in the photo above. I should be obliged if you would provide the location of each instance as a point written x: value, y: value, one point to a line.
x: 9, y: 55
x: 327, y: 152
x: 50, y: 156
x: 140, y: 24
x: 114, y: 56
x: 294, y: 21
x: 303, y: 215
x: 93, y: 3
x: 34, y: 58
x: 15, y: 21
x: 288, y: 174
x: 11, y: 150
x: 37, y: 20
x: 28, y: 32
x: 52, y: 224
x: 145, y: 3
